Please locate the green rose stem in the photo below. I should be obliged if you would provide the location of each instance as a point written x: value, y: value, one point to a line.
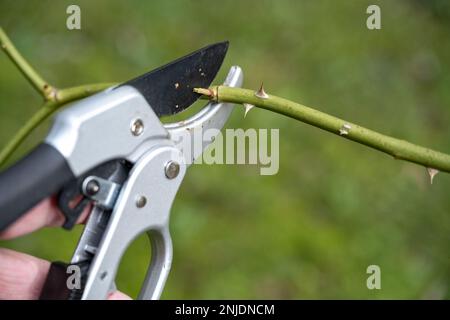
x: 433, y: 160
x: 54, y: 98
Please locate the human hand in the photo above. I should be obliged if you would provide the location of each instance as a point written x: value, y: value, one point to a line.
x: 22, y: 276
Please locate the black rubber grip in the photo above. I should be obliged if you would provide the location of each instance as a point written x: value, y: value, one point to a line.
x: 38, y: 175
x: 56, y: 285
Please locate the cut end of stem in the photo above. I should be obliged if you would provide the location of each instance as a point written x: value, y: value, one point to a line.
x: 211, y: 93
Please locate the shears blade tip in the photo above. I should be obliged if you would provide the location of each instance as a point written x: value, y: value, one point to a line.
x: 169, y: 89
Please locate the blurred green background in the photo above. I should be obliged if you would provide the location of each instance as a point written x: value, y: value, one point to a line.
x: 335, y: 207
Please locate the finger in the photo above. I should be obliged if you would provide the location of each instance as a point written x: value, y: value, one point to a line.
x: 21, y: 276
x: 44, y: 214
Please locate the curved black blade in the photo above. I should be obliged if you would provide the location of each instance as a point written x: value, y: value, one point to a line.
x: 168, y: 89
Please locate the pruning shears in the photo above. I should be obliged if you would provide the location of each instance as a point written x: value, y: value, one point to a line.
x: 111, y: 152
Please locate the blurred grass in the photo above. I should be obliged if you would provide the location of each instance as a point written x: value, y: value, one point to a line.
x: 334, y: 207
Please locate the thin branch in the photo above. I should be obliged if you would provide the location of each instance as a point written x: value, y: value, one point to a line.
x: 42, y: 86
x: 63, y: 97
x: 399, y: 149
x: 74, y: 93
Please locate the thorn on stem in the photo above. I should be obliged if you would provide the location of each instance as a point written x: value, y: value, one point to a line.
x: 247, y: 107
x: 432, y: 173
x: 261, y: 93
x: 345, y: 129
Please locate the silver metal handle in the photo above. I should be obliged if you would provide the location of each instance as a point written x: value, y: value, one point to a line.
x: 160, y: 265
x: 143, y: 206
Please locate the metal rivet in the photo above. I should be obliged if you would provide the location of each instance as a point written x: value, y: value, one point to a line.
x: 172, y: 169
x: 137, y: 127
x: 92, y: 187
x: 141, y: 201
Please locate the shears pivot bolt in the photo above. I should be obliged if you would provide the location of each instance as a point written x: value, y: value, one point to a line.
x: 137, y: 127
